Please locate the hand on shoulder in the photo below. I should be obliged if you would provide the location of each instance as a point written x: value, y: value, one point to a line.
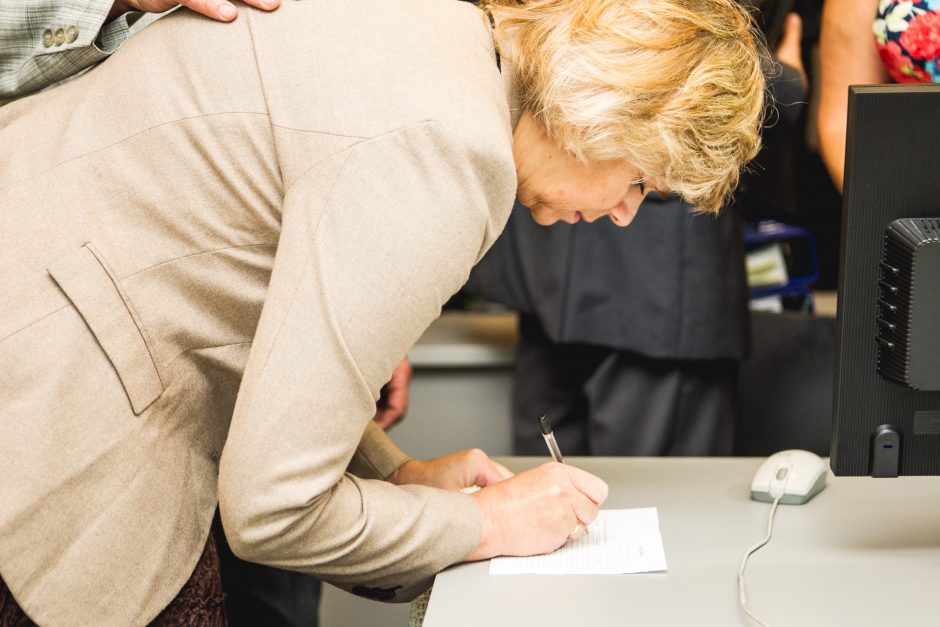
x: 221, y: 10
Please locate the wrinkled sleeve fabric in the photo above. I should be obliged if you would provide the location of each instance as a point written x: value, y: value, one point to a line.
x: 44, y: 42
x: 377, y: 456
x: 374, y: 240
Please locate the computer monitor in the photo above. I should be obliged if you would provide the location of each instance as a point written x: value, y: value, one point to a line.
x: 886, y: 396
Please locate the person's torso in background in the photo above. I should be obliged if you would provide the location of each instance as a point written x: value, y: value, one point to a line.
x: 671, y: 285
x: 907, y: 35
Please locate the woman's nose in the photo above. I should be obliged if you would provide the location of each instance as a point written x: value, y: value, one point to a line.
x: 621, y: 218
x: 622, y: 215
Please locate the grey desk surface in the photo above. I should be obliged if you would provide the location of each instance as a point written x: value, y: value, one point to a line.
x: 863, y: 552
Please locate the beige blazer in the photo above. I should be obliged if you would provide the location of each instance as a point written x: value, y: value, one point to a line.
x: 216, y: 246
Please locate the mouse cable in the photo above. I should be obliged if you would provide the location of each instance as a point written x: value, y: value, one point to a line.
x: 742, y: 593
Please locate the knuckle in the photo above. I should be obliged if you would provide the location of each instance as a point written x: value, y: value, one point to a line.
x: 476, y: 455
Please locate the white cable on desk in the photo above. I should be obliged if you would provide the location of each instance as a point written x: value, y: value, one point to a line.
x: 742, y: 594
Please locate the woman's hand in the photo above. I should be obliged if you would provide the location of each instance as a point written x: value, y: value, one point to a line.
x: 452, y: 472
x: 537, y: 511
x: 393, y: 399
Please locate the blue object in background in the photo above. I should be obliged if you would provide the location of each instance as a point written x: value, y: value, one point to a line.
x: 802, y: 263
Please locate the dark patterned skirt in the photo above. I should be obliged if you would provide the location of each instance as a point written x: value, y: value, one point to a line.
x: 200, y: 602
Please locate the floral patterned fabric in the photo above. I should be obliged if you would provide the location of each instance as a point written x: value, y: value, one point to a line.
x: 908, y: 38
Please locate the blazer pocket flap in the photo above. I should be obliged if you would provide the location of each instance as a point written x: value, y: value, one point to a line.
x: 88, y: 283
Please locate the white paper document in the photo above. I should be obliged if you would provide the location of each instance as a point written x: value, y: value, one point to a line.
x: 620, y: 541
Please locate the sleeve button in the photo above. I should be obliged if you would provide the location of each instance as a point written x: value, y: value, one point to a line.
x: 71, y: 34
x: 47, y: 38
x: 59, y: 36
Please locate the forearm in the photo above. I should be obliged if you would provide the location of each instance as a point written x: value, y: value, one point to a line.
x: 831, y: 131
x: 363, y: 534
x: 847, y: 57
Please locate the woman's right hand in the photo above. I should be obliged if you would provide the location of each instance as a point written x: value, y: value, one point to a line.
x: 536, y: 511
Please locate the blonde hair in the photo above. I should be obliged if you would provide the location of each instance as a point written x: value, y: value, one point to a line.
x: 675, y: 87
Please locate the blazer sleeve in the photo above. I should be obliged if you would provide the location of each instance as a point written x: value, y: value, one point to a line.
x: 47, y: 41
x: 377, y: 456
x: 373, y: 241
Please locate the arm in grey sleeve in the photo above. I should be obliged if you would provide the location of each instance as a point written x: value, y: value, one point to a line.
x: 47, y: 41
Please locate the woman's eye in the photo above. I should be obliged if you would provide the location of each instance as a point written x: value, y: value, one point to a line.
x: 642, y: 186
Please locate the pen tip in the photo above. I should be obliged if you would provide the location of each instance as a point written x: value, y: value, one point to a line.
x: 546, y: 428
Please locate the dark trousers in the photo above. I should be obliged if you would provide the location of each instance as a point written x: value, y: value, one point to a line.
x: 258, y: 595
x: 603, y: 401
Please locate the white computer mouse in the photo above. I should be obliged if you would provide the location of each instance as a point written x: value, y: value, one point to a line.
x: 794, y: 475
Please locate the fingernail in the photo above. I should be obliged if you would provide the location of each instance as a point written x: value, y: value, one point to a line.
x: 227, y: 10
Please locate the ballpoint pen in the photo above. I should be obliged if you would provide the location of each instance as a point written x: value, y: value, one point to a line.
x: 549, y: 436
x: 550, y: 440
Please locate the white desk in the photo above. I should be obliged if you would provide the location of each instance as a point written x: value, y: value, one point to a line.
x: 863, y: 552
